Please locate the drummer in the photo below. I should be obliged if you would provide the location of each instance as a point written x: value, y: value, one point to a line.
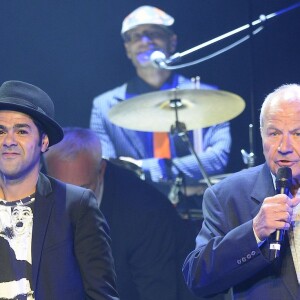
x: 162, y: 156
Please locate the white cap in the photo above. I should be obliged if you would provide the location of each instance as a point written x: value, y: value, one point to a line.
x: 146, y: 15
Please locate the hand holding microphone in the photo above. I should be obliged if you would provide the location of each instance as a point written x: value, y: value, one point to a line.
x: 275, y: 214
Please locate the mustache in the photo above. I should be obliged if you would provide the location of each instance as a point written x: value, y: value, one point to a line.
x: 10, y: 150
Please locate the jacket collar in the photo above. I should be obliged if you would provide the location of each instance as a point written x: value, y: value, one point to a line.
x: 43, y: 187
x: 42, y: 210
x: 263, y: 186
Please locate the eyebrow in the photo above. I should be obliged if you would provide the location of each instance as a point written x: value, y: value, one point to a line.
x: 20, y: 125
x: 279, y: 129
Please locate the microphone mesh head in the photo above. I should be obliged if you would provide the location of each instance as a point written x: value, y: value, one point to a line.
x: 284, y: 177
x: 157, y: 55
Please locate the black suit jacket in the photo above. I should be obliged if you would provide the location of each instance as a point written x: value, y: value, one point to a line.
x: 142, y: 228
x: 71, y: 256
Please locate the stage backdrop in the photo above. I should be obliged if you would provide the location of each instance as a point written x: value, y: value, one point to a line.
x: 73, y: 50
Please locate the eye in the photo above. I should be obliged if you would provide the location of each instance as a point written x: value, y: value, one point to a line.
x: 156, y: 35
x: 22, y: 132
x: 273, y: 133
x: 137, y: 36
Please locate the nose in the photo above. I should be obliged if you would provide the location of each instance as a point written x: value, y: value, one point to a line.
x: 146, y: 39
x: 9, y: 140
x: 285, y: 146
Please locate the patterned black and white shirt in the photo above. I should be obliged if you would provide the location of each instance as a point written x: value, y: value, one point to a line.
x: 16, y: 219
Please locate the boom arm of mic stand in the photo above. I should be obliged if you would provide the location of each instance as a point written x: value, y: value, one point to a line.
x: 262, y: 18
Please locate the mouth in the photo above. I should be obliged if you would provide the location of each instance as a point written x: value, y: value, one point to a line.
x: 285, y: 163
x: 144, y: 55
x: 10, y: 154
x: 19, y: 224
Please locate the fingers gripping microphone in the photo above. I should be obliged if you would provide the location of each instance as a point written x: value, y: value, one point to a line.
x: 283, y: 186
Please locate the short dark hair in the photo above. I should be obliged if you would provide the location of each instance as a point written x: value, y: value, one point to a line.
x: 41, y: 130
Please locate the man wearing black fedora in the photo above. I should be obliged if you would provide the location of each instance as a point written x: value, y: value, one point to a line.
x: 54, y: 241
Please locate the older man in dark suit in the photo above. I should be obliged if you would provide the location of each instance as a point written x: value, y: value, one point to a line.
x: 236, y: 247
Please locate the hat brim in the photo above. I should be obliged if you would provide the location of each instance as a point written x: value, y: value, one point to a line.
x: 52, y: 129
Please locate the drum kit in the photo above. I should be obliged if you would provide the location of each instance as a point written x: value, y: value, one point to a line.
x: 177, y: 111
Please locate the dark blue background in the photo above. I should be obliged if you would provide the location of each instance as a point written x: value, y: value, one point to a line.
x: 73, y: 50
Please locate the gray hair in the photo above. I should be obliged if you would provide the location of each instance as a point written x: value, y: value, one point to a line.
x: 76, y: 140
x: 285, y: 91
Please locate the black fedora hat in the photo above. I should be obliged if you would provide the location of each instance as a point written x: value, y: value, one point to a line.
x: 31, y: 100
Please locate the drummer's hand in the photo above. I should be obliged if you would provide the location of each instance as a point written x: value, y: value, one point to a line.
x: 275, y: 213
x: 132, y: 160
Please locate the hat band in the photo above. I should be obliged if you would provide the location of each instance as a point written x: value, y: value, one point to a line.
x: 22, y: 102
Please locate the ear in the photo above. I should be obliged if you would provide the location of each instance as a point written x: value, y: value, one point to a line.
x: 102, y: 170
x: 45, y: 143
x: 127, y: 49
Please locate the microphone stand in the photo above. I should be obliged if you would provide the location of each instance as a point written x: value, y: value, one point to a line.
x: 167, y: 63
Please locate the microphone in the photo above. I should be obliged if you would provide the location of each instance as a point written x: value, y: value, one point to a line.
x: 158, y: 59
x: 283, y: 186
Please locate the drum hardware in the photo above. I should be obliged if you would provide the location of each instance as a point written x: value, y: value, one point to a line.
x: 215, y: 178
x: 249, y: 158
x: 179, y: 129
x: 174, y: 194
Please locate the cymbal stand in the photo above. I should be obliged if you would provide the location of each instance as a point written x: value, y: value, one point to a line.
x: 249, y: 158
x: 180, y: 129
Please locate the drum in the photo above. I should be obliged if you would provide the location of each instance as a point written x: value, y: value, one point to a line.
x: 129, y: 166
x: 216, y: 178
x: 200, y: 188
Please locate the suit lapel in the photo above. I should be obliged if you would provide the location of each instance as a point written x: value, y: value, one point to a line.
x: 263, y: 188
x: 42, y: 211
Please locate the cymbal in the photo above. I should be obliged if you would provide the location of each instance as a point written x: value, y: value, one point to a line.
x: 199, y: 109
